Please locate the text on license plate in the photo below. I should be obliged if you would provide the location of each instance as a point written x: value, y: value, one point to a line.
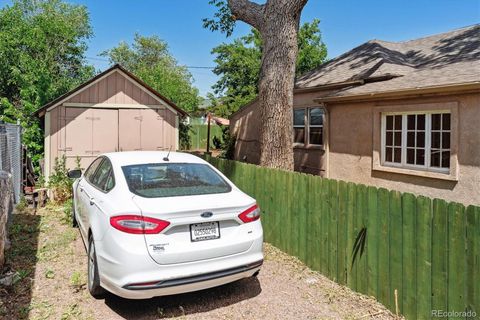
x: 205, y: 231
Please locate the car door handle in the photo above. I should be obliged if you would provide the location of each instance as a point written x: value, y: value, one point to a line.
x: 92, y: 201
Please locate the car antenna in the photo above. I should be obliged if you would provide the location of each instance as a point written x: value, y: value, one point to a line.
x: 168, y: 154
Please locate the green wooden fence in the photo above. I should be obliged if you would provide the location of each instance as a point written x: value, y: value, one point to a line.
x: 372, y: 240
x: 198, y: 136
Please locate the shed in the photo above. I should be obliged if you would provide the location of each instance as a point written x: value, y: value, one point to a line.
x: 113, y: 111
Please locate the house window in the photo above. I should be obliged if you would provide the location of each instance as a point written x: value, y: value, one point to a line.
x: 308, y: 126
x: 299, y: 126
x: 418, y: 140
x: 315, y: 126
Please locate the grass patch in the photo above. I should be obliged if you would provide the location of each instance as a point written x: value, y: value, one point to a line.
x: 78, y: 281
x: 72, y: 312
x: 57, y: 246
x: 43, y: 310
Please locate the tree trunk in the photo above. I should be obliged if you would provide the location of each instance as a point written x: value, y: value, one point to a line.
x: 278, y: 22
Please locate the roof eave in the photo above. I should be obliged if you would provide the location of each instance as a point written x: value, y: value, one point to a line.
x: 392, y: 94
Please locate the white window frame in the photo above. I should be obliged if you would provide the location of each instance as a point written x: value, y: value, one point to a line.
x: 428, y: 133
x: 307, y: 127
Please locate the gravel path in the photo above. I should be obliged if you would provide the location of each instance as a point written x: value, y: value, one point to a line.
x: 54, y: 286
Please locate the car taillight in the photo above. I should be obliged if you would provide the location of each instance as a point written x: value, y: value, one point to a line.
x: 138, y: 224
x: 251, y: 214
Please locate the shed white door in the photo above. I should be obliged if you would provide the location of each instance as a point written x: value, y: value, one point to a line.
x: 129, y: 134
x: 88, y: 133
x: 142, y: 129
x: 153, y: 133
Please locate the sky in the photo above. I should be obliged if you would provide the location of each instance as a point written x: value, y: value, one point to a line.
x: 344, y: 25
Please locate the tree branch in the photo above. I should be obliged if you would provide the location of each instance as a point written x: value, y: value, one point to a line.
x: 297, y: 5
x: 249, y: 12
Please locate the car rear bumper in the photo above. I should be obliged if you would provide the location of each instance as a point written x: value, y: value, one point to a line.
x: 187, y: 284
x: 197, y: 278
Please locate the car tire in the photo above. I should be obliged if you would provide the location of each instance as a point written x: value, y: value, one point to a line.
x: 93, y: 278
x: 74, y: 219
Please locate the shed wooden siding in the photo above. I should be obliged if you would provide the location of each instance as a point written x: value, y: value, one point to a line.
x: 112, y: 114
x: 115, y: 88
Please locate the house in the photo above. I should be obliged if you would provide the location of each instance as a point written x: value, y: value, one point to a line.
x: 399, y: 115
x: 113, y: 111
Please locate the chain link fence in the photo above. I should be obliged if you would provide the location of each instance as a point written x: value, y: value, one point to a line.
x: 11, y: 155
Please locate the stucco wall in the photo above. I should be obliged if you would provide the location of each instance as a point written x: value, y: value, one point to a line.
x: 349, y: 146
x: 245, y: 125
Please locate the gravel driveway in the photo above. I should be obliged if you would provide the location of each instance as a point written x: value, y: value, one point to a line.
x: 52, y: 285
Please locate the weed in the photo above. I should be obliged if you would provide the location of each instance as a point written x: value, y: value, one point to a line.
x: 24, y: 310
x: 67, y: 210
x: 78, y: 163
x: 77, y: 280
x: 42, y: 310
x: 49, y: 274
x: 41, y: 182
x: 15, y: 229
x: 22, y: 204
x: 56, y: 246
x: 72, y: 312
x: 59, y: 181
x: 20, y: 275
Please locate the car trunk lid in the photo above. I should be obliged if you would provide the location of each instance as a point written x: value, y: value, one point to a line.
x: 178, y: 243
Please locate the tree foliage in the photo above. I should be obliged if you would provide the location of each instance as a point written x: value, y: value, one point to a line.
x: 223, y: 19
x: 312, y: 52
x: 150, y: 60
x: 238, y: 65
x: 42, y: 47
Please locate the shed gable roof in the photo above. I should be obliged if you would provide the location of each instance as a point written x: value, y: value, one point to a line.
x: 149, y: 94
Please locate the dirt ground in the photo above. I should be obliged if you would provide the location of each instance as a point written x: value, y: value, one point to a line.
x: 50, y: 264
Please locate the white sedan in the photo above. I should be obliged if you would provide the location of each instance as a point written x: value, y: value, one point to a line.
x: 158, y: 224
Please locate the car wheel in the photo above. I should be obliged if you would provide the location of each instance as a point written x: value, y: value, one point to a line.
x: 93, y: 281
x: 74, y: 219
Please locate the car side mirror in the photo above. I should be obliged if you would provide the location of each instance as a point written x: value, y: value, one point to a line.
x: 75, y: 173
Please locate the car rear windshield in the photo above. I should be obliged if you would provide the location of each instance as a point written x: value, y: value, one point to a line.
x: 173, y: 179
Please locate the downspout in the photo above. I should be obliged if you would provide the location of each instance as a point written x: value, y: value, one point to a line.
x: 327, y: 140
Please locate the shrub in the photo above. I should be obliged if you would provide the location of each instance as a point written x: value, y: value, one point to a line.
x: 228, y: 144
x: 67, y: 211
x: 217, y: 143
x: 184, y: 137
x: 59, y: 182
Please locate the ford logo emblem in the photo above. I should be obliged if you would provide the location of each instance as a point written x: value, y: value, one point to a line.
x: 206, y: 215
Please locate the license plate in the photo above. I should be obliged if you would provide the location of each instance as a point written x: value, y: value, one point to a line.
x: 204, y: 231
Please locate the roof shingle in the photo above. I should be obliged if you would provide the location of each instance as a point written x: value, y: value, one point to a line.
x: 443, y: 59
